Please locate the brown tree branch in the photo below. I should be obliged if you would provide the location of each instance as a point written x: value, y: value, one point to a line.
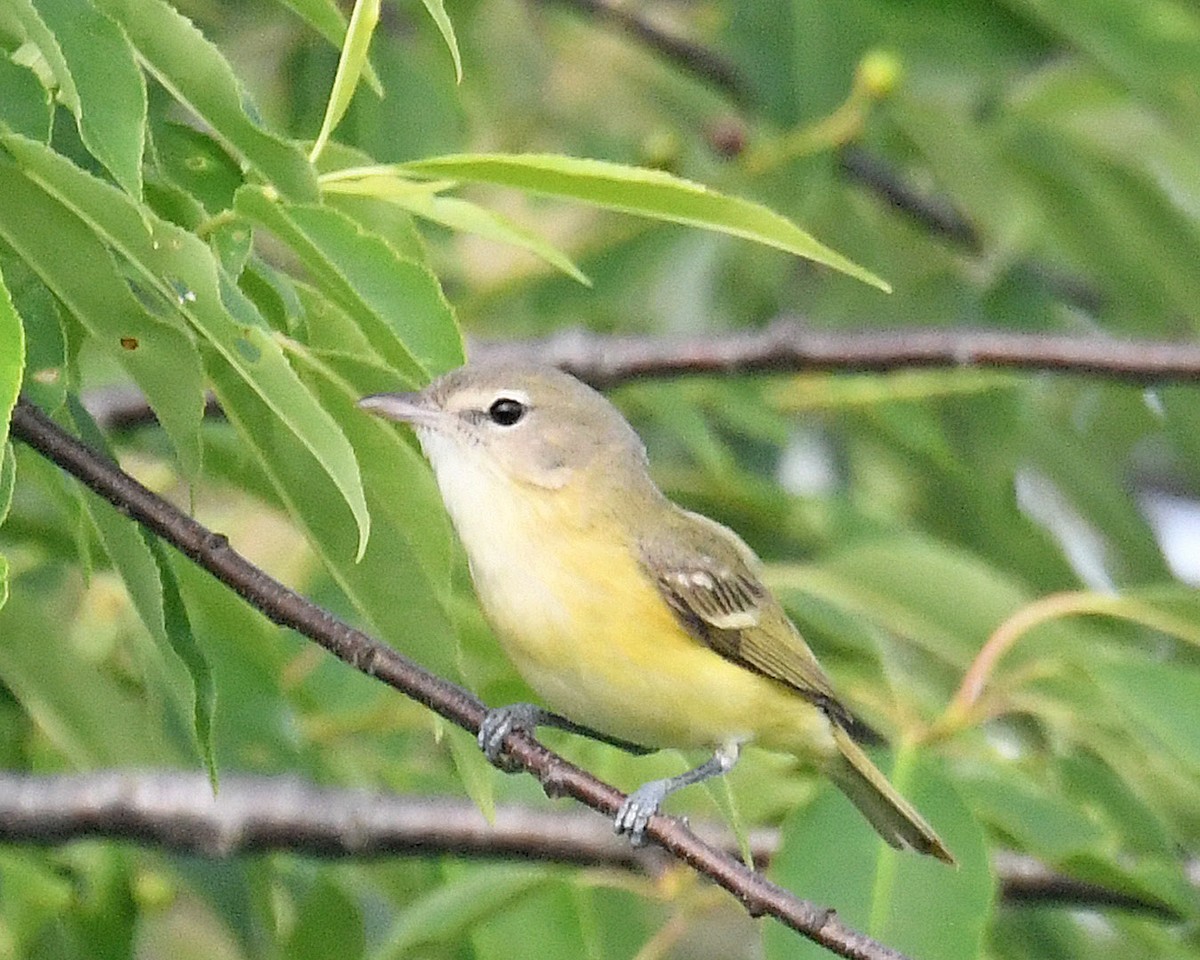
x: 177, y: 810
x: 789, y: 346
x: 287, y: 608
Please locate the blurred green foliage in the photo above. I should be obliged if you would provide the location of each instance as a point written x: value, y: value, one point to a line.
x: 161, y: 223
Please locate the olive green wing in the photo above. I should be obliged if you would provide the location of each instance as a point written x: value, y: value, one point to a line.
x: 710, y: 578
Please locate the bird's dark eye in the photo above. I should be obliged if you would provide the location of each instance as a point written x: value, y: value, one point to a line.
x: 506, y: 411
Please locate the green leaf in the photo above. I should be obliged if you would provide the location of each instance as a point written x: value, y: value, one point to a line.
x: 178, y: 628
x: 437, y: 10
x: 198, y: 76
x: 1164, y: 698
x: 563, y: 911
x: 176, y: 271
x: 88, y: 719
x: 329, y: 923
x: 24, y: 103
x: 938, y: 599
x: 255, y: 726
x: 648, y: 193
x: 82, y: 274
x: 474, y: 769
x: 406, y: 565
x: 195, y: 162
x: 35, y: 31
x: 1142, y: 851
x: 326, y: 17
x: 397, y: 302
x: 112, y: 91
x: 1148, y: 45
x: 8, y: 479
x: 1031, y: 815
x: 350, y: 67
x: 831, y: 855
x: 142, y: 565
x: 47, y: 369
x: 422, y: 200
x: 12, y: 362
x: 37, y: 892
x: 446, y: 913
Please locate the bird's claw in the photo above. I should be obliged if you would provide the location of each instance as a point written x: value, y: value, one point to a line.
x: 497, y: 725
x: 635, y: 813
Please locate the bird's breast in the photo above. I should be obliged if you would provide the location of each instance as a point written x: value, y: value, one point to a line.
x: 564, y: 590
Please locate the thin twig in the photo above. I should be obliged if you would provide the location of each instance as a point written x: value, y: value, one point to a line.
x: 788, y: 346
x: 284, y: 606
x: 1024, y: 880
x: 935, y: 213
x: 695, y: 58
x: 176, y: 810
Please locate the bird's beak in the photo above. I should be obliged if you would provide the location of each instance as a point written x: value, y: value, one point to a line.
x: 411, y: 408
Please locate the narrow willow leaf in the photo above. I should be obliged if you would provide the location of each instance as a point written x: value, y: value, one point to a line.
x: 475, y: 772
x: 1165, y: 698
x: 90, y: 720
x: 12, y: 362
x: 200, y: 78
x: 143, y: 566
x: 24, y: 103
x: 196, y: 163
x: 397, y: 302
x: 421, y: 199
x: 393, y: 586
x: 444, y: 914
x: 77, y: 268
x: 350, y: 67
x: 179, y: 635
x: 1149, y: 47
x: 8, y: 479
x: 176, y: 271
x: 35, y: 31
x: 47, y: 364
x: 437, y: 10
x: 326, y: 17
x: 112, y: 91
x: 647, y: 193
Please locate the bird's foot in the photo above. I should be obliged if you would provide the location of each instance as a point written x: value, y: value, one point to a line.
x: 638, y: 808
x: 499, y: 723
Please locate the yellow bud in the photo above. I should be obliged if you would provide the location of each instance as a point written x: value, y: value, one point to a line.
x: 879, y: 71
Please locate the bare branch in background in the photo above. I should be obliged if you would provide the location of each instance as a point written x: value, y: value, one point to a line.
x: 788, y: 346
x: 255, y: 814
x: 285, y: 607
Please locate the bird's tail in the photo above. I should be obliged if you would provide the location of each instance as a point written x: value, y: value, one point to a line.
x: 893, y: 817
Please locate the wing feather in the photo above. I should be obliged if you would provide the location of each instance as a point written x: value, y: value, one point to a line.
x: 709, y: 577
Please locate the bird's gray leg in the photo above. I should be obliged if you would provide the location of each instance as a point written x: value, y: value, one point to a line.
x: 643, y: 803
x: 501, y: 721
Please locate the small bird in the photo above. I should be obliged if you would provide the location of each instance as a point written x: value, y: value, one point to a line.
x: 637, y: 621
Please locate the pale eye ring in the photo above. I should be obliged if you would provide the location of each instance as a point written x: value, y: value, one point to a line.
x: 506, y: 411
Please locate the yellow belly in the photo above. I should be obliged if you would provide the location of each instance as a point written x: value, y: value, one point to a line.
x: 591, y: 634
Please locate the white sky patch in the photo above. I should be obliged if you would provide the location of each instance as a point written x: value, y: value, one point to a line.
x: 1175, y: 521
x: 807, y: 467
x: 1082, y: 544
